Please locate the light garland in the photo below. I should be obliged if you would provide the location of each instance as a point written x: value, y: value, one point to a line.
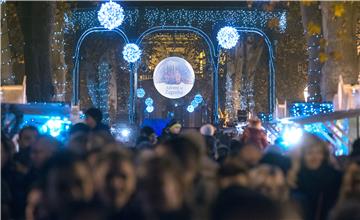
x: 111, y: 15
x: 131, y: 53
x: 310, y: 108
x: 227, y: 37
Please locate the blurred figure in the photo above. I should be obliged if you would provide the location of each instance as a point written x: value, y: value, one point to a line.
x: 237, y: 202
x: 254, y: 134
x: 314, y: 180
x: 233, y: 173
x: 147, y: 138
x: 67, y: 181
x: 93, y: 118
x: 270, y: 181
x: 350, y: 188
x: 208, y: 132
x: 115, y: 180
x: 249, y: 154
x: 162, y: 190
x: 355, y: 153
x: 273, y: 157
x: 79, y: 128
x: 27, y: 138
x: 222, y: 152
x: 171, y: 130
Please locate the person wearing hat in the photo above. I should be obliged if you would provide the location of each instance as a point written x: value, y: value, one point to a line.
x: 171, y: 130
x: 254, y: 133
x: 93, y: 118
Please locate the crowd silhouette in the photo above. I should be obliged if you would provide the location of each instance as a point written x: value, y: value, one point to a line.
x: 182, y: 174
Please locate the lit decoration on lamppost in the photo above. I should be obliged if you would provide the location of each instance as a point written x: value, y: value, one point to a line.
x: 227, y: 37
x: 131, y: 53
x: 190, y: 108
x: 149, y: 101
x: 140, y: 93
x: 111, y: 15
x: 198, y: 98
x: 150, y: 108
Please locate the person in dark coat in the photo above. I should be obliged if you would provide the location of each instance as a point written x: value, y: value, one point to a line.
x: 208, y: 132
x: 171, y: 130
x: 316, y: 182
x: 93, y: 118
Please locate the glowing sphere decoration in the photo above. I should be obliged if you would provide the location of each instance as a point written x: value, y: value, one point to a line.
x: 150, y: 108
x: 227, y: 37
x: 131, y: 53
x: 174, y: 77
x: 111, y: 15
x: 190, y: 108
x: 149, y: 101
x: 140, y: 93
x: 198, y: 99
x: 194, y: 103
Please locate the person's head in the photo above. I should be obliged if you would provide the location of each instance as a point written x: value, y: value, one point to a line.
x: 115, y: 178
x: 249, y: 153
x: 149, y: 133
x: 43, y: 149
x: 314, y: 151
x: 67, y: 180
x: 255, y: 123
x: 233, y: 172
x: 355, y: 148
x: 207, y: 130
x: 93, y: 117
x: 236, y: 202
x: 270, y: 181
x: 187, y: 153
x: 350, y: 188
x: 27, y: 136
x: 161, y: 184
x: 174, y: 127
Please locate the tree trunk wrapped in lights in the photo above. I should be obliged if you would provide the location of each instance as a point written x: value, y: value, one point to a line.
x: 311, y: 19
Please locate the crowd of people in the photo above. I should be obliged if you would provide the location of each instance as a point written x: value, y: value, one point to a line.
x: 186, y: 174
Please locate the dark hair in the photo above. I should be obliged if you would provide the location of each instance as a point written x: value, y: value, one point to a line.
x: 79, y: 127
x: 95, y: 113
x: 30, y: 128
x: 241, y: 203
x: 355, y: 148
x: 146, y: 131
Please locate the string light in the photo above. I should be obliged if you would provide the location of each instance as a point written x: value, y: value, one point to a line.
x: 111, y: 15
x: 227, y: 37
x: 310, y: 108
x: 131, y: 53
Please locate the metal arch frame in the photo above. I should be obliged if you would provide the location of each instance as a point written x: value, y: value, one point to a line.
x: 76, y: 81
x: 271, y: 89
x: 213, y: 57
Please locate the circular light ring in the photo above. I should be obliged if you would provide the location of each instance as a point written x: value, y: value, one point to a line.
x: 194, y: 104
x: 190, y: 108
x: 149, y: 101
x: 150, y: 108
x: 111, y: 15
x: 227, y: 37
x: 198, y: 99
x: 131, y: 53
x: 140, y: 93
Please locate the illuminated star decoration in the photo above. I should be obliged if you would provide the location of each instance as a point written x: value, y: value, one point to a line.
x: 227, y: 37
x: 111, y: 15
x: 131, y: 53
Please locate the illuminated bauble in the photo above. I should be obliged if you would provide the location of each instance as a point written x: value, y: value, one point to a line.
x: 194, y: 103
x: 227, y: 37
x: 111, y: 15
x: 131, y: 53
x: 190, y: 108
x: 198, y: 99
x: 174, y: 77
x: 150, y: 108
x: 149, y: 101
x: 140, y: 92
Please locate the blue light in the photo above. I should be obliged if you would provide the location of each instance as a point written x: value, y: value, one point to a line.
x: 194, y: 104
x: 125, y: 132
x: 227, y: 37
x: 149, y: 101
x: 282, y: 23
x: 150, y: 108
x: 111, y: 15
x: 190, y: 108
x: 55, y: 126
x: 140, y: 93
x: 198, y: 99
x: 131, y: 53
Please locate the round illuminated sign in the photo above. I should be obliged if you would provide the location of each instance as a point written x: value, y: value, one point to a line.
x: 174, y: 77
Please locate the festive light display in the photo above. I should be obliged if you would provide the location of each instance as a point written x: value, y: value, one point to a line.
x: 149, y: 101
x: 310, y: 108
x: 198, y: 99
x: 227, y: 37
x: 189, y: 17
x: 140, y: 93
x: 194, y: 103
x: 150, y: 108
x: 131, y: 53
x: 190, y: 108
x: 111, y: 15
x: 55, y: 126
x: 264, y: 117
